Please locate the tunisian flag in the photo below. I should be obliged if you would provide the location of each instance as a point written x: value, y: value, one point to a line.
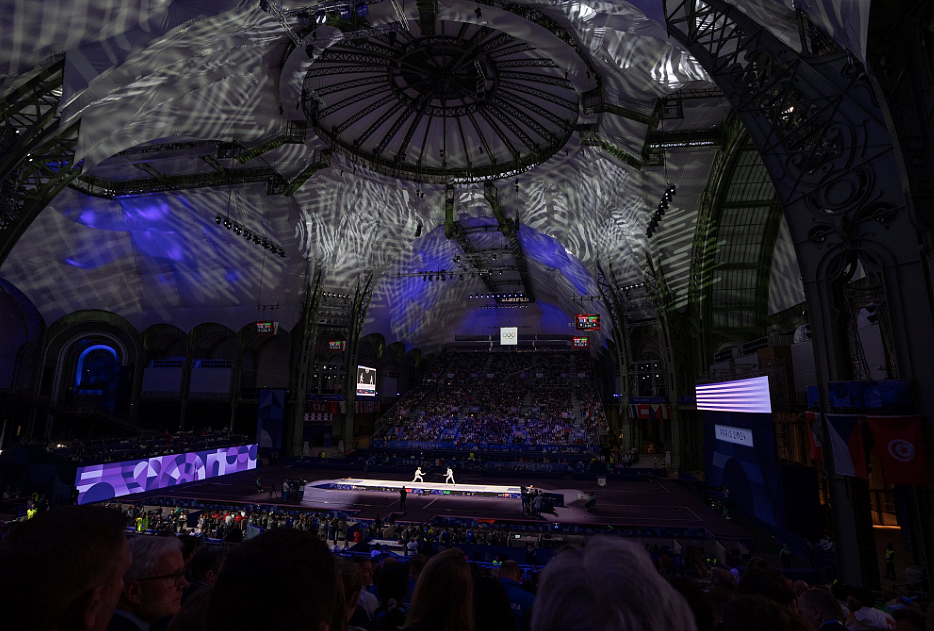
x: 900, y: 441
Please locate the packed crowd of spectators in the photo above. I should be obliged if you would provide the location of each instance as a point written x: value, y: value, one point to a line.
x: 74, y: 569
x: 551, y: 402
x: 465, y: 365
x: 505, y: 410
x: 115, y: 450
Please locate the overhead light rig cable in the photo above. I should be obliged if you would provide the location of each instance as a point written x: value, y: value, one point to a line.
x: 250, y: 235
x: 660, y: 211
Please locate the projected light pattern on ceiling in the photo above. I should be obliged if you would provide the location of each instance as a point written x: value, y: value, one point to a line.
x: 431, y: 313
x: 153, y: 259
x: 157, y: 259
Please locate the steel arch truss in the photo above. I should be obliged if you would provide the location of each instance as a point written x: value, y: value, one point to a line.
x: 497, y: 90
x: 815, y: 121
x: 33, y: 183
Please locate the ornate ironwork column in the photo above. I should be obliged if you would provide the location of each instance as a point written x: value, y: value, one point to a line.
x: 616, y: 305
x: 303, y: 357
x: 822, y: 136
x: 361, y: 302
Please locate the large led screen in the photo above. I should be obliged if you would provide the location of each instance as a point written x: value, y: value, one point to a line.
x: 366, y: 381
x: 750, y: 396
x: 115, y: 479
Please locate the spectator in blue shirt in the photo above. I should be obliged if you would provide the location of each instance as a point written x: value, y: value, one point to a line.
x: 521, y: 601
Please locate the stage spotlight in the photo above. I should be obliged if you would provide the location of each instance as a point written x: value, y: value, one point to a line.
x: 227, y: 224
x: 218, y: 220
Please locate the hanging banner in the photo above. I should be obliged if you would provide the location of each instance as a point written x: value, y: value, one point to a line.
x: 816, y: 451
x: 900, y: 441
x: 846, y: 442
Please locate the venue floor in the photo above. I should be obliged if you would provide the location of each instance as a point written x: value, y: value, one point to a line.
x: 652, y: 503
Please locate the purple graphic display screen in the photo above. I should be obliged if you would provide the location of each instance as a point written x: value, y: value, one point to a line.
x: 115, y: 479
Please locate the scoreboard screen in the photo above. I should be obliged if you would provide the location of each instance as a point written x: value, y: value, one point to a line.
x: 267, y: 327
x: 580, y: 342
x: 588, y: 321
x: 366, y: 381
x: 336, y: 345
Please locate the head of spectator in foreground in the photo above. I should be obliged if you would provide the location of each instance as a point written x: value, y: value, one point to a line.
x: 204, y: 565
x: 443, y: 598
x: 285, y: 566
x: 910, y: 620
x: 768, y: 583
x: 351, y: 583
x: 63, y: 569
x: 817, y: 606
x: 510, y: 570
x: 762, y: 614
x: 723, y: 579
x: 393, y: 582
x: 491, y: 607
x: 607, y: 585
x: 155, y: 581
x: 416, y: 565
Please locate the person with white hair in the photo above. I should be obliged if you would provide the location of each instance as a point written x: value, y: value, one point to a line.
x: 607, y: 585
x: 152, y: 586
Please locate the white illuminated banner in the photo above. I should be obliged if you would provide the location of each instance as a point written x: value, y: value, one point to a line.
x: 744, y: 395
x: 733, y: 435
x: 508, y: 336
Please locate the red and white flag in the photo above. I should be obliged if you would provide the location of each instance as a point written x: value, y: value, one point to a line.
x: 900, y: 441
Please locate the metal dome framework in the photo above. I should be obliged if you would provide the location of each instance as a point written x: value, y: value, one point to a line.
x: 468, y: 103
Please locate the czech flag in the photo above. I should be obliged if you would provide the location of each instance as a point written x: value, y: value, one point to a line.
x: 846, y: 443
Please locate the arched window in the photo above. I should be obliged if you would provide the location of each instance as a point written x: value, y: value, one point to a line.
x: 96, y: 367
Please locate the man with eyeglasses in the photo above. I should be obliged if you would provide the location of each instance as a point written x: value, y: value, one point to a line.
x: 153, y: 586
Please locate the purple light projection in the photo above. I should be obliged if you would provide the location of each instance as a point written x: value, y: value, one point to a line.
x: 106, y: 481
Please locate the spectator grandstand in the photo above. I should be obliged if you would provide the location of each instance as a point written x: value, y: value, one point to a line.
x: 501, y: 398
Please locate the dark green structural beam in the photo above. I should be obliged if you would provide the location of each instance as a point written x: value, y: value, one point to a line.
x: 34, y: 182
x: 427, y: 16
x: 591, y: 138
x: 510, y: 230
x: 100, y: 187
x: 320, y: 161
x: 29, y: 116
x: 294, y: 135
